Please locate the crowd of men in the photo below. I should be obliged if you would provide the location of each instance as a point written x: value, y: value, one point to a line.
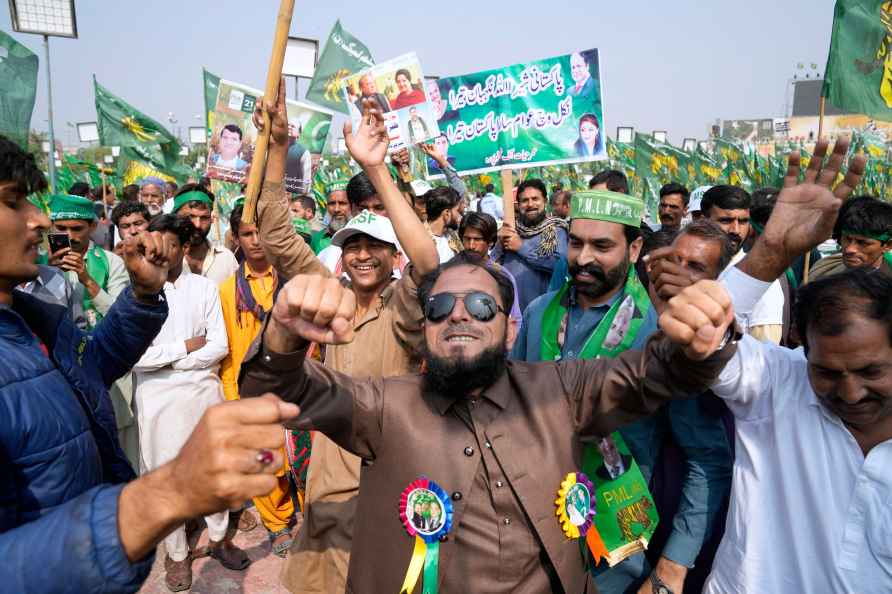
x: 422, y: 334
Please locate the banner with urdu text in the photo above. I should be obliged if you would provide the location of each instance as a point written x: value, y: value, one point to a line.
x: 543, y: 112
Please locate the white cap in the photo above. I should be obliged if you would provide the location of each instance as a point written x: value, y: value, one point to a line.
x: 420, y: 187
x: 366, y: 223
x: 697, y: 198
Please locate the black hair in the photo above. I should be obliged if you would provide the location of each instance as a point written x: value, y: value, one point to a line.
x: 125, y: 209
x: 405, y: 73
x: 19, y: 168
x: 616, y: 180
x: 81, y: 189
x: 710, y: 231
x: 536, y: 184
x: 232, y: 128
x: 828, y: 304
x: 130, y: 193
x: 866, y: 214
x: 438, y: 200
x: 359, y: 189
x: 725, y: 197
x: 763, y: 201
x: 676, y: 188
x: 466, y: 258
x: 562, y: 196
x: 235, y: 219
x: 490, y: 188
x: 481, y: 221
x: 169, y: 223
x: 308, y: 203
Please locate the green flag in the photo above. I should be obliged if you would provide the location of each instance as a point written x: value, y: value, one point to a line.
x: 858, y: 76
x: 211, y: 86
x: 18, y: 85
x: 342, y: 56
x: 137, y: 162
x: 120, y: 124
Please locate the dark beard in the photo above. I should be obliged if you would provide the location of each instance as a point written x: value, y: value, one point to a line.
x: 605, y: 281
x: 460, y: 377
x: 532, y: 222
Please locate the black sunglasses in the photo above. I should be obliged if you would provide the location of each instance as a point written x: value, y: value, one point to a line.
x: 482, y: 306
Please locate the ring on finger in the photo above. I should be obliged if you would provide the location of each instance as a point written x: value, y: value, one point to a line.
x: 264, y: 457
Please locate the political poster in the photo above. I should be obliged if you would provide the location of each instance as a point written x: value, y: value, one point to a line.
x: 539, y: 113
x: 233, y: 137
x: 396, y: 87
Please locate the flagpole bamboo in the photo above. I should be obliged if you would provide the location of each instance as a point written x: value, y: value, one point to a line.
x: 806, y: 269
x: 508, y: 197
x: 273, y: 76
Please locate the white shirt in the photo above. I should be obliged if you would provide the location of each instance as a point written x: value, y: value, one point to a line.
x: 443, y: 250
x: 218, y: 265
x: 809, y: 513
x: 174, y: 388
x: 768, y: 311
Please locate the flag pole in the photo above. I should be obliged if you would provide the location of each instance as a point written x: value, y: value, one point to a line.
x: 508, y: 197
x: 273, y: 76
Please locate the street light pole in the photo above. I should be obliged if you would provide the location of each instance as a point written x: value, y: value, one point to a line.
x: 51, y: 161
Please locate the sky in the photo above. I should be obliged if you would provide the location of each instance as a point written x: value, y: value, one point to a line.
x: 674, y: 66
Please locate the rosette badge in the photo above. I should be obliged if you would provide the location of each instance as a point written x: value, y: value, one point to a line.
x: 426, y: 514
x: 576, y: 511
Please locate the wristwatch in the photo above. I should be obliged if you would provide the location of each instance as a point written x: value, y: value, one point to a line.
x: 658, y: 586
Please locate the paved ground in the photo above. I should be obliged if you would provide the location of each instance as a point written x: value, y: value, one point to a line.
x: 209, y: 577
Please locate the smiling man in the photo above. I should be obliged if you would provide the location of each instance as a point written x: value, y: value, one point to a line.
x: 386, y: 321
x: 531, y: 251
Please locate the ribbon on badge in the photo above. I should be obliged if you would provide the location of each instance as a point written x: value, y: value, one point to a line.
x: 576, y: 511
x: 426, y: 514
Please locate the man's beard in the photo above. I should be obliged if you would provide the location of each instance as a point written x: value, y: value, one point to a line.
x: 336, y: 224
x: 199, y: 236
x: 460, y: 376
x: 605, y: 281
x: 532, y: 219
x: 154, y: 209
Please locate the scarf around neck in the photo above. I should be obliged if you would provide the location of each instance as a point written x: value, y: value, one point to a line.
x: 547, y: 229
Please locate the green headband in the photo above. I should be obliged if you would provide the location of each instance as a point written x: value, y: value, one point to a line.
x: 883, y: 238
x: 64, y: 207
x: 193, y: 196
x: 603, y: 205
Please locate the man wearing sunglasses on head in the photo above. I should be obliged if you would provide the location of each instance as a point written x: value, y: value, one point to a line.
x: 498, y: 436
x: 386, y: 319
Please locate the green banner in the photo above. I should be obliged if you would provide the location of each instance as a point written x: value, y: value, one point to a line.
x: 18, y: 86
x: 858, y: 75
x: 540, y: 113
x: 342, y: 57
x: 211, y: 88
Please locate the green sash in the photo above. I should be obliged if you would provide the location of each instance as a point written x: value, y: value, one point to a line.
x: 888, y: 258
x: 626, y: 515
x: 634, y: 304
x: 96, y: 263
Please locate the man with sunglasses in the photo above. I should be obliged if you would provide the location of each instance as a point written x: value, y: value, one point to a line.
x: 503, y: 434
x: 386, y: 319
x: 602, y: 310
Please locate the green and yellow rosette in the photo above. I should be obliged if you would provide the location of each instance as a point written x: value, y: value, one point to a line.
x: 576, y: 511
x: 426, y: 514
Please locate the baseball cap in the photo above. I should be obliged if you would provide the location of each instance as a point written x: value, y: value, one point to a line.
x: 366, y: 223
x: 697, y: 198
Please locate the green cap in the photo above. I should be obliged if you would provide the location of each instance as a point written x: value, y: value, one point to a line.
x: 193, y: 196
x: 64, y: 207
x: 603, y: 205
x: 336, y: 185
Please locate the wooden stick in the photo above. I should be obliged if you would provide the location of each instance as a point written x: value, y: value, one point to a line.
x: 508, y: 197
x: 821, y: 118
x: 807, y: 267
x: 273, y: 76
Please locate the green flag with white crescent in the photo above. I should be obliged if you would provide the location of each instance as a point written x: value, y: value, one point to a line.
x: 342, y: 56
x: 858, y: 75
x: 18, y: 86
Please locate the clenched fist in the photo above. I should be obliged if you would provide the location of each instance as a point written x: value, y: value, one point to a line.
x: 311, y: 309
x: 698, y: 318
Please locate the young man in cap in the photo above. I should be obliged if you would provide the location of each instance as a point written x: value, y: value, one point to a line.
x: 387, y: 321
x: 98, y: 275
x: 196, y: 203
x: 602, y: 311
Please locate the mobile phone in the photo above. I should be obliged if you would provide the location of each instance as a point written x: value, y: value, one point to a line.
x: 58, y: 241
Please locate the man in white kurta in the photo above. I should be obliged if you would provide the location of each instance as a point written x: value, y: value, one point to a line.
x: 174, y: 387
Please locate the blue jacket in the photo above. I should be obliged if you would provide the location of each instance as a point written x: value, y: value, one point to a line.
x: 61, y: 467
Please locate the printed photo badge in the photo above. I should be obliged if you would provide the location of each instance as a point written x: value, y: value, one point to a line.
x: 426, y: 514
x: 576, y: 510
